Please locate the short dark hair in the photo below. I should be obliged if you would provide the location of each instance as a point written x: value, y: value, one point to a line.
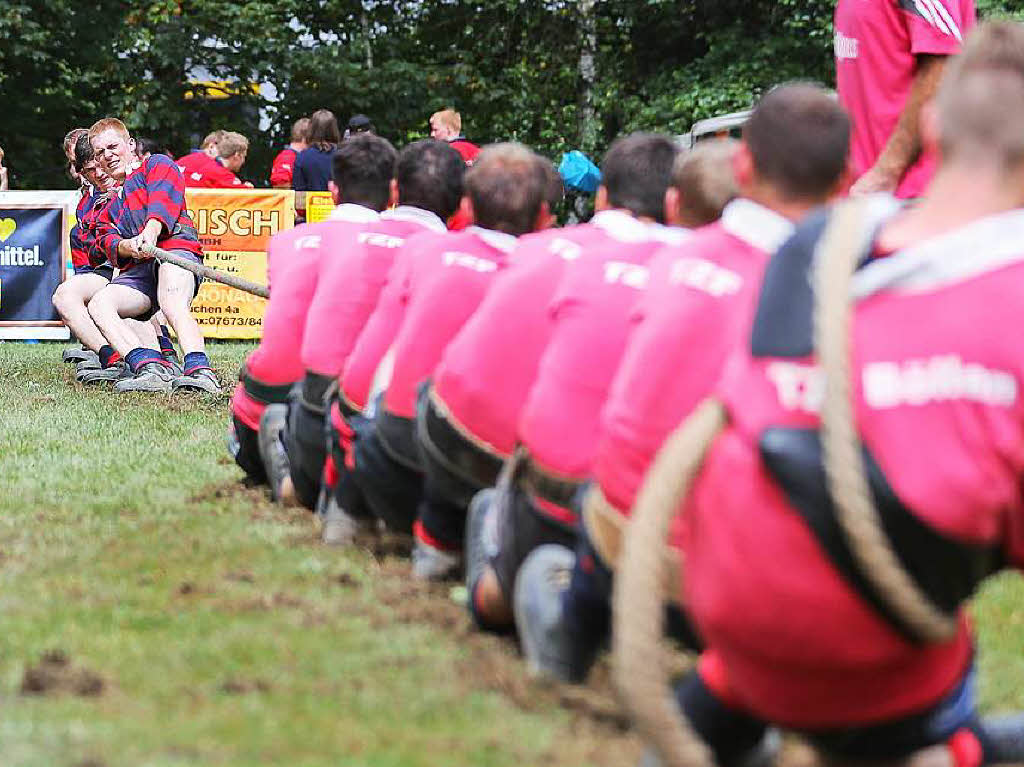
x: 360, y: 124
x: 146, y: 145
x: 323, y: 130
x: 554, y: 192
x: 84, y: 152
x: 362, y: 168
x: 430, y: 175
x: 637, y: 170
x: 507, y: 185
x: 799, y: 138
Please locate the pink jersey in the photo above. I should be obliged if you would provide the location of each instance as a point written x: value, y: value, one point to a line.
x: 487, y: 370
x: 694, y: 313
x: 876, y: 45
x: 444, y: 287
x: 350, y: 283
x: 293, y: 259
x: 590, y: 315
x: 939, y: 410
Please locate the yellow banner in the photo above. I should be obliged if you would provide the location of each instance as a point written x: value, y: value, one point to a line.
x: 234, y: 227
x: 318, y: 206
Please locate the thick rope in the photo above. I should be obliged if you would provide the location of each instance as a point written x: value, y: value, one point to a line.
x: 844, y: 463
x: 640, y: 661
x: 207, y: 273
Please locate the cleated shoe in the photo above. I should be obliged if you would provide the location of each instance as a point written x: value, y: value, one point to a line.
x: 341, y: 528
x: 275, y: 459
x: 481, y: 534
x: 108, y: 375
x: 153, y: 376
x: 77, y: 354
x: 549, y: 648
x: 432, y: 564
x: 92, y: 363
x: 201, y: 380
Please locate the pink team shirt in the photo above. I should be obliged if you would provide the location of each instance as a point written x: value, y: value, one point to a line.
x: 876, y: 45
x: 590, y: 315
x: 350, y: 283
x: 488, y: 369
x: 695, y: 312
x: 293, y: 258
x: 939, y: 406
x: 444, y: 288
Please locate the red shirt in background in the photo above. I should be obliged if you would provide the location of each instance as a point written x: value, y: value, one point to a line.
x: 282, y: 167
x: 204, y: 172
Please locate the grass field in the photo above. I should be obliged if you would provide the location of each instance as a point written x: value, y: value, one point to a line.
x: 157, y: 613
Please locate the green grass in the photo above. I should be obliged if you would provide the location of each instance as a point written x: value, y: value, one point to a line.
x: 225, y: 635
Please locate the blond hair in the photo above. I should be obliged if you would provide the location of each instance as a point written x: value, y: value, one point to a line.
x: 108, y: 123
x: 705, y: 180
x: 231, y: 143
x: 448, y: 118
x: 212, y: 139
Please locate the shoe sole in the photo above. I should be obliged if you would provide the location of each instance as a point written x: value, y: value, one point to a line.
x: 527, y: 641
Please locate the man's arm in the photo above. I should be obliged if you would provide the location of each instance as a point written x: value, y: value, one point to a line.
x: 904, y: 145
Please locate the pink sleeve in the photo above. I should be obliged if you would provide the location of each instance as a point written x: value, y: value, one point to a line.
x: 938, y: 27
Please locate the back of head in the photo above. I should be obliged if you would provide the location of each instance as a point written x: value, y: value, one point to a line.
x: 637, y: 170
x: 323, y: 130
x: 212, y: 140
x: 448, y: 118
x: 84, y: 153
x: 362, y: 170
x: 300, y: 131
x: 799, y: 138
x: 981, y: 100
x: 706, y: 182
x: 145, y: 145
x: 507, y: 185
x: 430, y: 175
x: 360, y: 124
x: 231, y: 143
x: 71, y: 138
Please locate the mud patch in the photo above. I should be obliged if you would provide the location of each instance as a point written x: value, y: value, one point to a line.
x: 238, y: 686
x: 55, y: 675
x: 240, y: 576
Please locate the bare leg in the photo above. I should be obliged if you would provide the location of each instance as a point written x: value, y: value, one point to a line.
x: 175, y: 294
x: 109, y: 306
x: 71, y: 301
x: 145, y: 332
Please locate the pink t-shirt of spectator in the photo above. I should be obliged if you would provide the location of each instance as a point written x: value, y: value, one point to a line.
x: 351, y: 281
x: 695, y: 312
x: 590, y: 314
x: 445, y: 287
x: 876, y: 45
x: 488, y: 368
x: 293, y: 258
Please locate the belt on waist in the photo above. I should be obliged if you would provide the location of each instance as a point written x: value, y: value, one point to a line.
x: 264, y: 393
x: 397, y: 436
x: 549, y: 487
x: 315, y: 388
x: 456, y: 450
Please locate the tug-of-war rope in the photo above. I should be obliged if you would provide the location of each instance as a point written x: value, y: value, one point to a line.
x: 640, y: 659
x: 208, y: 273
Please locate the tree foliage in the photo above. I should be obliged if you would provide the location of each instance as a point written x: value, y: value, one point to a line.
x: 512, y: 68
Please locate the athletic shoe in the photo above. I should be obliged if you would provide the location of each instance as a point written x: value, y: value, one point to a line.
x: 90, y: 363
x: 1005, y: 735
x: 341, y: 528
x: 111, y: 375
x: 549, y: 648
x: 153, y: 376
x: 480, y: 534
x: 77, y: 354
x: 431, y: 564
x: 202, y: 380
x: 275, y: 459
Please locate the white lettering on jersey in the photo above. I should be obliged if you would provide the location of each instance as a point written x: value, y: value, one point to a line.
x: 566, y: 249
x: 625, y: 273
x: 706, y: 276
x: 307, y: 241
x: 196, y: 176
x: 469, y: 261
x: 381, y: 240
x: 845, y: 47
x: 798, y: 387
x: 936, y: 379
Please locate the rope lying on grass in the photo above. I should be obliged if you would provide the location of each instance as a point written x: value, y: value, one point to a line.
x: 639, y: 659
x: 208, y: 273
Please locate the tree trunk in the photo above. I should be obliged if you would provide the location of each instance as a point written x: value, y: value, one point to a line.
x: 588, y: 75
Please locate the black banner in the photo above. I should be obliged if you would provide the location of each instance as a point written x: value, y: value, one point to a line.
x: 31, y: 262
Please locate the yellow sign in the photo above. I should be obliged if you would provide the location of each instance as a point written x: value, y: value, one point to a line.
x: 318, y: 206
x: 234, y: 227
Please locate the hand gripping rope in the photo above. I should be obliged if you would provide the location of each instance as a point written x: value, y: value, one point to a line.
x: 640, y: 660
x: 207, y: 273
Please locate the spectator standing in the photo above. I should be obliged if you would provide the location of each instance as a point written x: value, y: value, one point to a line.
x: 313, y: 165
x: 359, y: 124
x: 284, y: 164
x: 446, y: 125
x: 889, y: 59
x: 217, y: 171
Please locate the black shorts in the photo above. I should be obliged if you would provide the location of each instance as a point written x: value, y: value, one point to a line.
x: 244, y: 445
x: 390, y: 488
x: 305, y: 441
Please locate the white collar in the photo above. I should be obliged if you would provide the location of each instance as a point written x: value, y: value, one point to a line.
x: 415, y: 215
x: 356, y: 214
x: 981, y: 246
x: 756, y: 225
x: 622, y: 226
x: 497, y: 240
